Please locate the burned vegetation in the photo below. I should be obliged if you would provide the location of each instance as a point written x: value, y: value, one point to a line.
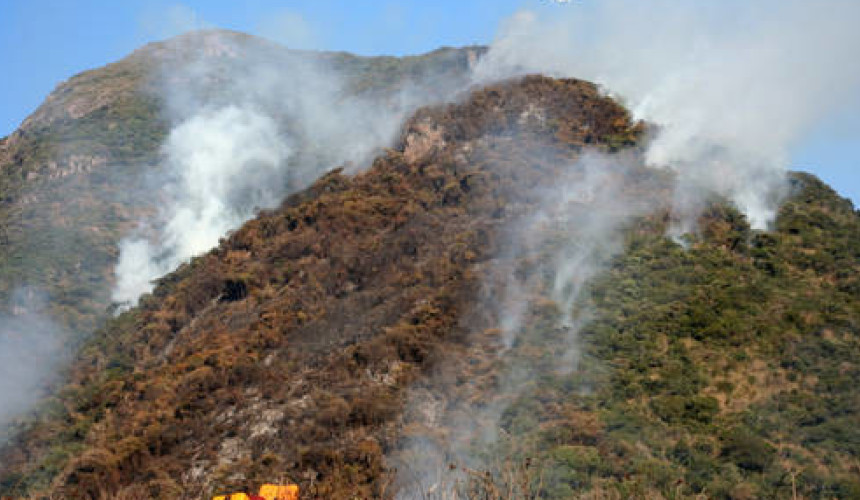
x: 287, y: 349
x: 294, y: 349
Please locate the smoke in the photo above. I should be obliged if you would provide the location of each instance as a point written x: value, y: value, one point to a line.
x: 171, y: 21
x: 733, y: 86
x: 731, y: 89
x: 573, y: 231
x: 290, y: 30
x: 227, y: 163
x: 254, y: 122
x: 30, y: 348
x: 537, y: 290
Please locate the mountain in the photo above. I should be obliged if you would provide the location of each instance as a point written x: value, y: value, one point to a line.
x: 78, y: 173
x: 491, y: 307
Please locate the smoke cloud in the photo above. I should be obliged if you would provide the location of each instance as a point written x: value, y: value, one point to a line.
x: 227, y: 163
x: 290, y: 30
x: 733, y: 86
x: 568, y: 239
x: 171, y: 21
x: 30, y: 348
x: 254, y: 122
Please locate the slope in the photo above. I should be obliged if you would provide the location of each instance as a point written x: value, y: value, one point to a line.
x: 316, y: 316
x: 363, y: 321
x: 78, y: 174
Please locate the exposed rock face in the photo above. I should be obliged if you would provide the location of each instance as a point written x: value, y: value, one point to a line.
x: 74, y: 164
x: 421, y: 141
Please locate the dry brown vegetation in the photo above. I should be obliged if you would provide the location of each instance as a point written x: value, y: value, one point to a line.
x: 725, y: 370
x: 286, y: 350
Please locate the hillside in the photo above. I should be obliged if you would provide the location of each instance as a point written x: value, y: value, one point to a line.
x: 79, y: 173
x: 354, y: 338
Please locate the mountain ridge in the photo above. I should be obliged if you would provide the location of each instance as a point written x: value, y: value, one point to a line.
x: 351, y: 338
x: 99, y: 135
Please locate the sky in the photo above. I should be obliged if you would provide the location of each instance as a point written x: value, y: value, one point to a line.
x: 44, y: 42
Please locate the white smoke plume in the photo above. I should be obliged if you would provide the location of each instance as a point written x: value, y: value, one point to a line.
x: 31, y: 345
x: 254, y: 123
x: 733, y: 86
x: 227, y: 162
x: 173, y: 20
x: 290, y: 30
x: 570, y: 237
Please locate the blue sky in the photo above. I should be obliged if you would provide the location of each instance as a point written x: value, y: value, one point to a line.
x: 44, y: 42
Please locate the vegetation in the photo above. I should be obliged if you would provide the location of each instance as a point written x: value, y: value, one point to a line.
x: 720, y: 370
x: 723, y: 370
x: 73, y: 178
x: 288, y: 349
